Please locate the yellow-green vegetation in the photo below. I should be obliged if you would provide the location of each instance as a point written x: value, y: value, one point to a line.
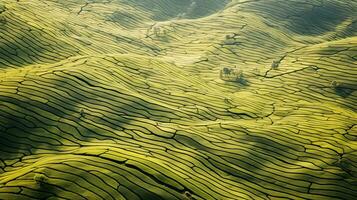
x: 123, y: 99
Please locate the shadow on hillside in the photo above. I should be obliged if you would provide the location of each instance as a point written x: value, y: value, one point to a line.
x: 29, y: 45
x: 264, y: 162
x: 305, y: 18
x: 188, y: 9
x: 28, y: 126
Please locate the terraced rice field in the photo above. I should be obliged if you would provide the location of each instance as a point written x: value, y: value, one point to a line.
x: 123, y: 99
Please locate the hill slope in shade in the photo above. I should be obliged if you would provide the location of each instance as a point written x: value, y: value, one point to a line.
x: 123, y: 99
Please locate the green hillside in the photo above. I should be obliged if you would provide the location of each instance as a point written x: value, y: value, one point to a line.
x: 178, y: 99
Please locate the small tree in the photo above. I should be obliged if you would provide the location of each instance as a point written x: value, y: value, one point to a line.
x: 335, y: 85
x: 227, y: 70
x: 156, y: 31
x: 82, y: 113
x: 240, y: 77
x: 228, y: 37
x: 275, y: 64
x: 40, y: 179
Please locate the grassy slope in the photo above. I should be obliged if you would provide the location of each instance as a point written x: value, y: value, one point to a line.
x: 104, y: 108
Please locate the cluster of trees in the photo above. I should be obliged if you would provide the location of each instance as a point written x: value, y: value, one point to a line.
x: 159, y: 31
x: 232, y: 74
x: 40, y: 179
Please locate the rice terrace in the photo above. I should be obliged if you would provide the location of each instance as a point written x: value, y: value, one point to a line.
x: 178, y: 99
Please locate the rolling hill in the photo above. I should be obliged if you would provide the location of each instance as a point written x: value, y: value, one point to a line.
x: 135, y: 99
